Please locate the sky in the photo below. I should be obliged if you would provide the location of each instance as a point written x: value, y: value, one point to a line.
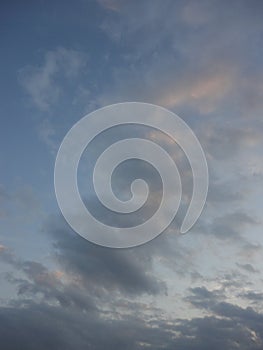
x: 61, y: 60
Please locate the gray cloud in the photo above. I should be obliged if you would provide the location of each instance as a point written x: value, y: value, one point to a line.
x: 74, y: 310
x: 253, y: 296
x: 38, y: 326
x: 201, y: 297
x: 126, y: 270
x: 248, y: 268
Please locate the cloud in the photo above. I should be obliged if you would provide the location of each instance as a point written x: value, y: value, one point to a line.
x: 47, y: 134
x: 38, y: 326
x: 42, y: 83
x: 179, y: 55
x: 20, y: 202
x: 90, y: 302
x: 36, y: 282
x: 162, y: 82
x: 205, y: 92
x: 255, y: 298
x: 202, y: 298
x: 113, y: 5
x: 230, y: 226
x: 218, y: 333
x: 225, y: 142
x: 98, y: 267
x: 248, y: 268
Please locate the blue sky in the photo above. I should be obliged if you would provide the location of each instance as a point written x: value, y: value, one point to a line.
x: 62, y: 60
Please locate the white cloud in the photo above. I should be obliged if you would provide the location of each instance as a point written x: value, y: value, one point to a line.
x: 41, y: 82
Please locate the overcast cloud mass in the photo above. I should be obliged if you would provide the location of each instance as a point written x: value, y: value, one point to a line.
x: 203, y: 61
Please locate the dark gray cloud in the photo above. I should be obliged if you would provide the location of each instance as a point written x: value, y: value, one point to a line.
x: 38, y: 326
x: 218, y: 333
x: 254, y: 297
x: 202, y: 298
x: 113, y: 269
x: 35, y: 281
x: 70, y: 315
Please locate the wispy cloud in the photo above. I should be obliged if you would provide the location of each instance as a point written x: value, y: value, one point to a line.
x: 43, y: 83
